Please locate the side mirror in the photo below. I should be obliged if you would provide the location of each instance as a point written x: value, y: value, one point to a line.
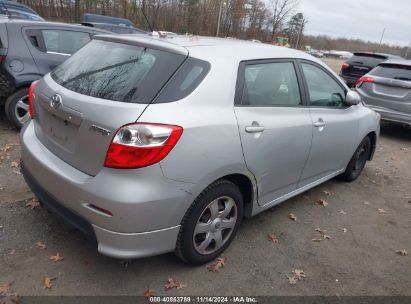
x: 352, y: 98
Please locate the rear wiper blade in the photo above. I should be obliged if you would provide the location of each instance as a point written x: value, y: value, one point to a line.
x: 403, y: 78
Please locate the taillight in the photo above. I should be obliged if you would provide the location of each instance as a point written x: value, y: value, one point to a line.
x: 141, y: 145
x: 345, y: 66
x: 2, y: 58
x: 364, y: 79
x: 31, y: 98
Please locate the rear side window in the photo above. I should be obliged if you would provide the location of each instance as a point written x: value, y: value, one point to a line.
x: 367, y: 60
x: 271, y: 84
x: 185, y: 81
x: 64, y: 42
x: 393, y: 71
x: 117, y: 71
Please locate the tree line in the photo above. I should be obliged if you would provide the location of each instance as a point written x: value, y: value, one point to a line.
x: 262, y: 20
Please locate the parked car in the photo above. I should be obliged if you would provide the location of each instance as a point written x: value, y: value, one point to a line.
x: 360, y: 64
x: 112, y: 24
x: 16, y: 10
x: 28, y: 50
x: 152, y: 145
x: 387, y: 90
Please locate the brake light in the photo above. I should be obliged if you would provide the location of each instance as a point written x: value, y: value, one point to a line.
x: 2, y: 58
x: 141, y: 144
x: 31, y: 98
x: 364, y: 79
x: 345, y: 66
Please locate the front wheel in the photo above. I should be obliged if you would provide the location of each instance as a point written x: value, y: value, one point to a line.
x: 357, y: 162
x: 17, y: 107
x: 210, y: 224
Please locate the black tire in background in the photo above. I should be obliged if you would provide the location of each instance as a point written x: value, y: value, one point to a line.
x: 17, y: 108
x: 358, y: 161
x: 185, y: 247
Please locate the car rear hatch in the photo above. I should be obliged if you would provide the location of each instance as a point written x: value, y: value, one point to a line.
x: 389, y: 86
x: 361, y: 63
x: 105, y: 85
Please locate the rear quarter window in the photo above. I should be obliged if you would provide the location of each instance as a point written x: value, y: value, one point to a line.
x: 117, y: 71
x: 185, y: 81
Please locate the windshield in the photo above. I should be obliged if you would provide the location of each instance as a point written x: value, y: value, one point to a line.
x: 117, y: 71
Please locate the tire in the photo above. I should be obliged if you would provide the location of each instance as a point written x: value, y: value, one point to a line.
x: 358, y: 161
x: 17, y: 108
x: 191, y: 246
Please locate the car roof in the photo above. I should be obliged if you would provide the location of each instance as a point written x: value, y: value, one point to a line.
x: 397, y: 62
x: 210, y: 47
x: 376, y: 54
x: 26, y: 22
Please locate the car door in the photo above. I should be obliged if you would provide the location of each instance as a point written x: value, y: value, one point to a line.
x: 51, y: 46
x: 274, y: 125
x: 334, y: 124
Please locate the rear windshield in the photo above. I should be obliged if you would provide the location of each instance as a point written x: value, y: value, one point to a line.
x: 117, y: 71
x: 366, y: 59
x: 393, y: 71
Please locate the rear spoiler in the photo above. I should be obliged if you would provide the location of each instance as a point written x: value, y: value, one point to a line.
x: 145, y: 41
x: 371, y: 55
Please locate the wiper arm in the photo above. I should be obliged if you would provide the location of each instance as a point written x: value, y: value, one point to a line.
x: 99, y: 70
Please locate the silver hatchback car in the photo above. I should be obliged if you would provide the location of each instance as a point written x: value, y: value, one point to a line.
x: 153, y: 145
x: 387, y: 90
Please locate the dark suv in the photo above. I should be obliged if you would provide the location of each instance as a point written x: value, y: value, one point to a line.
x: 16, y: 10
x: 29, y: 50
x: 360, y: 64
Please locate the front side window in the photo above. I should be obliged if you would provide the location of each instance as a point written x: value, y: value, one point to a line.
x: 323, y: 90
x: 271, y: 84
x: 116, y: 71
x: 64, y: 42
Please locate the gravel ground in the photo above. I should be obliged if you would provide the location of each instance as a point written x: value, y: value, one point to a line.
x: 367, y: 222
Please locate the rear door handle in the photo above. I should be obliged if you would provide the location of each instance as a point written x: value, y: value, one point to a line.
x: 319, y: 123
x: 254, y: 129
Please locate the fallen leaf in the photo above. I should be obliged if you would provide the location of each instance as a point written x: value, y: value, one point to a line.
x: 171, y: 283
x: 321, y: 202
x: 329, y: 193
x: 380, y: 210
x: 41, y: 245
x: 272, y: 238
x: 33, y: 203
x: 291, y: 216
x: 404, y: 149
x: 291, y: 280
x: 366, y: 203
x: 6, y: 148
x: 16, y: 172
x: 215, y: 267
x: 323, y: 233
x: 56, y: 258
x: 149, y: 293
x: 342, y: 212
x: 4, y: 288
x: 316, y: 240
x: 299, y: 274
x: 402, y: 252
x: 13, y: 251
x: 15, y: 164
x: 345, y: 230
x: 47, y: 282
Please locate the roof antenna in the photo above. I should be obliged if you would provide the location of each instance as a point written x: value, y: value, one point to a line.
x: 148, y: 22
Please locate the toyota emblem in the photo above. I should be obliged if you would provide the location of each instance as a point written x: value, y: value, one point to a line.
x: 56, y: 101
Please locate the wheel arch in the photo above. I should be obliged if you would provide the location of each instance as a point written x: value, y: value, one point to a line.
x: 373, y: 137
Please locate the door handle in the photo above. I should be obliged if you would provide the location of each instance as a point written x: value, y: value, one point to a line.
x: 254, y: 129
x: 319, y: 123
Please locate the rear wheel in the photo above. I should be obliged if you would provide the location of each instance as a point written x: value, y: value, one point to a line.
x: 211, y: 223
x: 17, y: 107
x: 358, y: 161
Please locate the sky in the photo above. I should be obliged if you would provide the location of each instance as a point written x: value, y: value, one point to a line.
x: 364, y: 19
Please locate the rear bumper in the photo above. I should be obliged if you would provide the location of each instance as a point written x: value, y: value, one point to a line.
x: 391, y: 115
x: 147, y: 208
x: 350, y: 81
